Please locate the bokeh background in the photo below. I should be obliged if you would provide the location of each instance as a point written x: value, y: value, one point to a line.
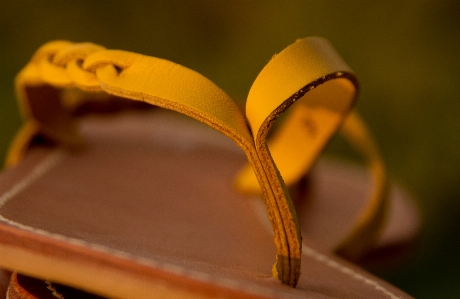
x: 406, y: 54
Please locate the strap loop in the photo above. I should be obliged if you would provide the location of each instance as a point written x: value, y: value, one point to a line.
x: 311, y: 77
x: 310, y: 74
x: 319, y: 109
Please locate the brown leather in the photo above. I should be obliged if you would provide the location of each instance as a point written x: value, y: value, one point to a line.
x: 153, y: 203
x: 4, y: 282
x: 24, y: 287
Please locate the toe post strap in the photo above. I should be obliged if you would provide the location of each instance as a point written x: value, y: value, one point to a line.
x: 308, y: 76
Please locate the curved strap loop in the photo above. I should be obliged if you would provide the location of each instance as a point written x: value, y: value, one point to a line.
x: 320, y: 109
x: 311, y: 75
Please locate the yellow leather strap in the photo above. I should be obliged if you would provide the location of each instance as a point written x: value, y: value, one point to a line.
x: 302, y: 136
x: 321, y: 106
x: 309, y: 71
x: 370, y: 222
x: 311, y: 77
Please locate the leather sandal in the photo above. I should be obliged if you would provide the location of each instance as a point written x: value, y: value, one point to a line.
x: 66, y: 211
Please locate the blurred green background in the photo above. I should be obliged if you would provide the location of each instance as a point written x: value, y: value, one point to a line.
x: 406, y: 54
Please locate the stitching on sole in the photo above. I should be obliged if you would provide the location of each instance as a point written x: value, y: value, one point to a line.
x: 51, y: 160
x: 259, y: 208
x: 58, y: 155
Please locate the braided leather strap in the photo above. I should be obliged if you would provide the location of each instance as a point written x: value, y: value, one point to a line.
x: 308, y: 73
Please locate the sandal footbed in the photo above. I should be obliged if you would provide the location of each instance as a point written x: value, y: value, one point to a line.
x: 148, y: 207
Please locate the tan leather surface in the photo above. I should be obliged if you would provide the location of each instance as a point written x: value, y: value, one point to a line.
x: 157, y: 206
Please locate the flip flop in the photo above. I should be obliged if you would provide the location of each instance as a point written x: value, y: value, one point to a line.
x: 203, y: 240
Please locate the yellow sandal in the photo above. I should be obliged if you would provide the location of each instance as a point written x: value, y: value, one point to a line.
x: 67, y: 213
